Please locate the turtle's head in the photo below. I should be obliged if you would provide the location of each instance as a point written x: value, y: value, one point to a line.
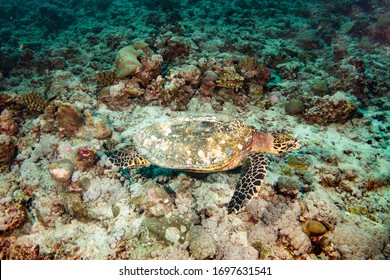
x: 284, y: 143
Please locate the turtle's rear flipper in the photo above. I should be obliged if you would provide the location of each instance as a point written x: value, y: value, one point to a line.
x: 252, y: 176
x: 130, y: 159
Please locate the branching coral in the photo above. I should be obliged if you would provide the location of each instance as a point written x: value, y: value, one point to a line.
x: 106, y: 78
x: 34, y: 101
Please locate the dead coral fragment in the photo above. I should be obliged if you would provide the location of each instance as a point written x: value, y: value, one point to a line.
x: 12, y: 215
x: 154, y: 201
x: 106, y: 78
x: 69, y: 120
x: 294, y: 107
x: 34, y: 101
x: 62, y: 171
x: 230, y: 79
x: 288, y: 186
x: 10, y: 250
x: 121, y: 95
x: 174, y: 47
x: 176, y: 99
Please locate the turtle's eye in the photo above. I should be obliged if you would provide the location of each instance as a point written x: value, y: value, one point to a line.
x: 292, y: 145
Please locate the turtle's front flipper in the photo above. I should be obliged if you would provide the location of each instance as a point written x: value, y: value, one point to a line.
x: 130, y: 159
x: 252, y: 176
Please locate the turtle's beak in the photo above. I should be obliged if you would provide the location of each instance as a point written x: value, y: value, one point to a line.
x: 296, y: 145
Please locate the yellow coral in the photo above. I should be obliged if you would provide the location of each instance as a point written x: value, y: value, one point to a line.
x: 126, y: 61
x: 230, y: 79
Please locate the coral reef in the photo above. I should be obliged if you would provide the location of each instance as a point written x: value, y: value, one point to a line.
x: 381, y: 29
x: 173, y: 47
x: 230, y: 79
x: 78, y: 79
x: 334, y: 109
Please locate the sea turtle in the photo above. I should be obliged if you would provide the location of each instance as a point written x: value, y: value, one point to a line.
x: 208, y: 143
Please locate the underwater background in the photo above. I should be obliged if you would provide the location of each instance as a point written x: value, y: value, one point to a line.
x: 79, y: 78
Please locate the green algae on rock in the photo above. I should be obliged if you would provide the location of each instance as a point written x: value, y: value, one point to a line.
x: 313, y: 228
x: 167, y: 230
x: 288, y: 186
x: 294, y: 107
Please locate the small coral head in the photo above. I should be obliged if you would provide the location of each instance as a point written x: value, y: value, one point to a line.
x: 284, y: 143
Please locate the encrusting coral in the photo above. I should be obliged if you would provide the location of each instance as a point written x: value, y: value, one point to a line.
x: 331, y: 109
x: 12, y: 215
x: 8, y: 125
x: 69, y: 120
x: 7, y: 151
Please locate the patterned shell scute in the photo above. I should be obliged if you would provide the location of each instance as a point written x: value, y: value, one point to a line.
x: 195, y: 142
